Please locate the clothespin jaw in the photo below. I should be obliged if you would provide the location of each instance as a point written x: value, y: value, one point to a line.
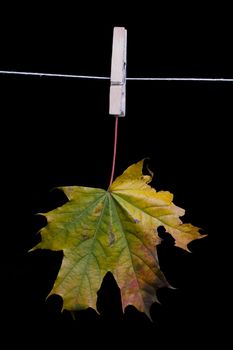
x: 118, y: 73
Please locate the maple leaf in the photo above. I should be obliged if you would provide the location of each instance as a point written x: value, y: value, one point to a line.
x: 116, y: 231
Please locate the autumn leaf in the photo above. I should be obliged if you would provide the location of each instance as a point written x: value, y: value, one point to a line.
x: 117, y: 231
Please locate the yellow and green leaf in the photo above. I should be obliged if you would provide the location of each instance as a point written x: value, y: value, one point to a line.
x: 115, y: 230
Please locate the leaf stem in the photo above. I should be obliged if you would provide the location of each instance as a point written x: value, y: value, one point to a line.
x: 114, y: 150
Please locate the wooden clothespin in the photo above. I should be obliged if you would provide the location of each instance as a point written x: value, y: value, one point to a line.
x: 118, y: 72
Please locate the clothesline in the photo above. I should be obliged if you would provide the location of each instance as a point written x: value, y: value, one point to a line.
x: 40, y: 74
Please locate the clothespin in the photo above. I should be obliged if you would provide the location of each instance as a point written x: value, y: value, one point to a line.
x: 118, y: 72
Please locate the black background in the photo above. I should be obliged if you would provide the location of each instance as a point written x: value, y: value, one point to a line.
x: 58, y: 132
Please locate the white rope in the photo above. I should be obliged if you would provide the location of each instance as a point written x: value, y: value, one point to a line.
x: 107, y: 78
x: 184, y: 79
x: 53, y: 75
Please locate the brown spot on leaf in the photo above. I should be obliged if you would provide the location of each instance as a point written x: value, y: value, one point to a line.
x: 111, y: 238
x: 85, y: 235
x: 97, y: 210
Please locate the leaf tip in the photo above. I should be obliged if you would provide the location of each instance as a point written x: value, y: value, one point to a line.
x: 34, y: 248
